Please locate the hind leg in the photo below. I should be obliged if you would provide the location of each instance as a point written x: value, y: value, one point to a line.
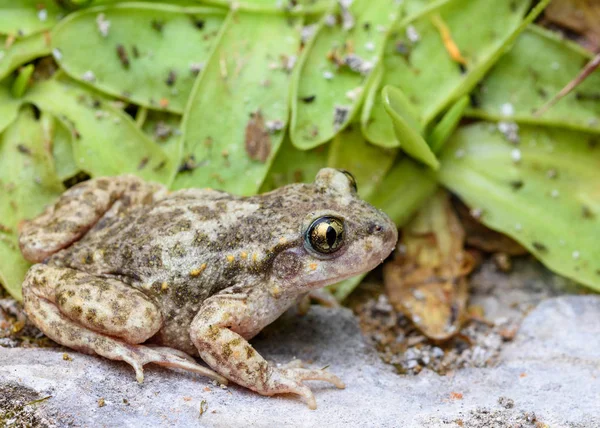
x: 79, y: 209
x: 99, y: 316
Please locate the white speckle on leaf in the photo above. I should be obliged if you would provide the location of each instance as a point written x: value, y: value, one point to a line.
x: 103, y: 24
x: 555, y: 193
x: 510, y: 130
x: 308, y: 31
x: 518, y: 227
x: 515, y: 155
x: 89, y: 76
x: 196, y: 67
x: 507, y: 109
x: 370, y: 46
x: 329, y: 20
x: 328, y: 75
x: 476, y: 213
x: 412, y: 34
x: 555, y: 65
x: 353, y: 94
x: 57, y: 54
x: 575, y: 255
x: 460, y: 153
x: 42, y: 14
x: 290, y: 62
x: 274, y: 125
x: 347, y: 18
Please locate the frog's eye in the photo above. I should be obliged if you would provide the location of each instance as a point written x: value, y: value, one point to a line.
x: 325, y: 235
x: 351, y: 179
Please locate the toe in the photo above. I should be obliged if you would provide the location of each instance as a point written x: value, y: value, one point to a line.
x: 301, y: 374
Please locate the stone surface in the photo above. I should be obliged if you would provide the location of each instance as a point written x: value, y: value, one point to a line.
x: 549, y: 374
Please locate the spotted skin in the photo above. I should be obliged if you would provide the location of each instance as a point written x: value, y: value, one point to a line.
x: 124, y: 264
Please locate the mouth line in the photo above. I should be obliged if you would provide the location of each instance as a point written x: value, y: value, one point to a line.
x: 346, y: 275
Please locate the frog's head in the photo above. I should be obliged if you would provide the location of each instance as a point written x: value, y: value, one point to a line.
x: 338, y: 234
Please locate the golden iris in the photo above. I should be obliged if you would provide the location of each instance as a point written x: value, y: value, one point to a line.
x: 326, y: 234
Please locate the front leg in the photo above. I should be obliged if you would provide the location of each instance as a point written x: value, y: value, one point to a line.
x: 221, y: 329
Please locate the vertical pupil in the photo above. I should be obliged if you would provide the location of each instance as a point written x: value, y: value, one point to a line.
x: 331, y: 236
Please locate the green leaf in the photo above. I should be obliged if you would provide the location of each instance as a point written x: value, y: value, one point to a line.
x: 407, y: 128
x: 25, y: 17
x: 403, y: 190
x: 27, y: 184
x: 367, y: 163
x: 9, y: 106
x: 543, y: 193
x: 22, y: 80
x: 147, y: 53
x: 416, y: 60
x: 414, y: 9
x: 343, y: 289
x: 165, y: 130
x: 21, y: 51
x: 280, y: 6
x: 106, y: 141
x: 292, y: 165
x: 446, y: 127
x: 235, y: 120
x: 335, y: 70
x: 58, y: 136
x: 538, y: 66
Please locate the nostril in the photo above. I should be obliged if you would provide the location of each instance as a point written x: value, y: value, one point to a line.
x: 378, y: 228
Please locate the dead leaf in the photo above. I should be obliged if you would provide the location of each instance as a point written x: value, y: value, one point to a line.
x: 258, y: 142
x: 483, y: 238
x: 579, y: 16
x: 427, y: 281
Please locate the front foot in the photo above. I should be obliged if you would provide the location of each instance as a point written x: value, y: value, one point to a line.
x: 290, y: 377
x: 221, y: 330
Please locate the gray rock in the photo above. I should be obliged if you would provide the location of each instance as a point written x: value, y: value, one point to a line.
x: 549, y: 374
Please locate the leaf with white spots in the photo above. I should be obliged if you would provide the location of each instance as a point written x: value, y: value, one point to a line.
x: 150, y: 54
x: 547, y: 197
x: 282, y: 6
x: 538, y: 66
x: 337, y: 68
x: 417, y: 60
x: 105, y: 140
x: 25, y: 17
x: 236, y: 119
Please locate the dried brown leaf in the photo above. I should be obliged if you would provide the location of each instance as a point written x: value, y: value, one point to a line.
x: 258, y: 141
x: 427, y: 281
x: 484, y: 238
